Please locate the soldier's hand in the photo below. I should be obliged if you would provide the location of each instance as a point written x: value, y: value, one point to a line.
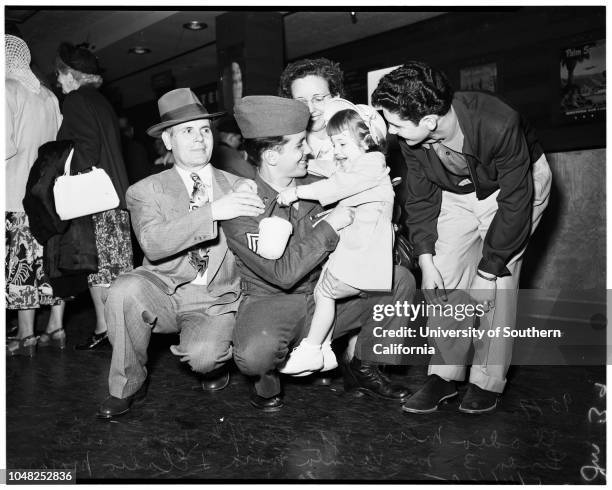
x: 236, y: 204
x: 340, y: 217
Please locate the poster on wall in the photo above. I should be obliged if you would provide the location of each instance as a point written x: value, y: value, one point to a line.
x: 480, y: 77
x: 583, y: 80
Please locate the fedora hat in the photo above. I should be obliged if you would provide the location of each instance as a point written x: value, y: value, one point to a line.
x: 179, y: 106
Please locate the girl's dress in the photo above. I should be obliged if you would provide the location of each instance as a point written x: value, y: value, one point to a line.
x: 363, y: 258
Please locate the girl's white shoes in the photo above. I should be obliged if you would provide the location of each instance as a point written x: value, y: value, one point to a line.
x: 307, y: 358
x: 329, y: 358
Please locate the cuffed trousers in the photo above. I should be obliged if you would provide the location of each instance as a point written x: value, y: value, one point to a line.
x: 136, y: 307
x: 462, y: 226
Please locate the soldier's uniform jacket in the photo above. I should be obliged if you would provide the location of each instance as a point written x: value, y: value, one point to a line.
x: 296, y: 271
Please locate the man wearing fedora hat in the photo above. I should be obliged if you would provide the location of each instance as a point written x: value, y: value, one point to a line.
x: 188, y: 283
x: 278, y: 305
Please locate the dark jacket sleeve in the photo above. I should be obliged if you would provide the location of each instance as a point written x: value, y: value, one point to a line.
x: 510, y: 228
x: 79, y: 126
x: 422, y: 205
x: 303, y: 253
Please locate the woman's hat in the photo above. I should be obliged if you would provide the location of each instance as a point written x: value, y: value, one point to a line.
x: 79, y: 59
x: 179, y: 106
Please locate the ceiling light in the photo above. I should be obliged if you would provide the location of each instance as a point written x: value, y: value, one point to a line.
x: 195, y: 25
x: 139, y: 50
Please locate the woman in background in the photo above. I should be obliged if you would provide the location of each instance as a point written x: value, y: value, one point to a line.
x: 91, y: 123
x: 32, y: 119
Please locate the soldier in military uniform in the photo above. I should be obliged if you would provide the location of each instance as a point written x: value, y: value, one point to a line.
x: 278, y: 294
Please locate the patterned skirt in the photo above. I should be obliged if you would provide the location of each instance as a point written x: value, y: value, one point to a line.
x: 112, y: 232
x: 27, y: 286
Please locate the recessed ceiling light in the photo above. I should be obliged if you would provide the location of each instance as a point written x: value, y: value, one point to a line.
x: 195, y: 25
x: 139, y: 50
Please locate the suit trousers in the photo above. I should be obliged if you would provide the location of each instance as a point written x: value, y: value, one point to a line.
x: 268, y: 325
x: 462, y: 226
x: 136, y: 307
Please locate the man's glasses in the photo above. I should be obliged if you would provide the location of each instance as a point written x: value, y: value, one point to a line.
x: 316, y: 100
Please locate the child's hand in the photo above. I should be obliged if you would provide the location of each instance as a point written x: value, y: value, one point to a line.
x: 287, y: 197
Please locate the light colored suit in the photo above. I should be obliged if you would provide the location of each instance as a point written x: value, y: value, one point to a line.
x: 158, y: 296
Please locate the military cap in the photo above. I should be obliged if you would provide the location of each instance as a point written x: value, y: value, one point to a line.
x: 262, y: 116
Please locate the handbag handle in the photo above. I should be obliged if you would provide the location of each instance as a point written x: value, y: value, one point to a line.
x: 68, y: 161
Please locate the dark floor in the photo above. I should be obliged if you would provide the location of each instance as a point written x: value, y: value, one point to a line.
x: 550, y: 427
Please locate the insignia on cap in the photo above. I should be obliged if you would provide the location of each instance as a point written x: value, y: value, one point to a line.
x: 252, y: 240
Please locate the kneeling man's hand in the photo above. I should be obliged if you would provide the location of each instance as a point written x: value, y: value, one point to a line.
x: 236, y: 204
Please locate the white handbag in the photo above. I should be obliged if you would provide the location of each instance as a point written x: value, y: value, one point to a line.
x: 83, y: 194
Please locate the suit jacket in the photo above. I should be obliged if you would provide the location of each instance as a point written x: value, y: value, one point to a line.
x: 298, y: 269
x: 166, y: 230
x: 364, y: 256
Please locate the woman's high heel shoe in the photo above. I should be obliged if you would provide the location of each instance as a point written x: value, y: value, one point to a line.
x: 22, y: 347
x: 56, y: 338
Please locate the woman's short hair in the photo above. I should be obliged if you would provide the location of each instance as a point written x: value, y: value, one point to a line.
x: 255, y: 147
x: 349, y: 120
x: 319, y: 67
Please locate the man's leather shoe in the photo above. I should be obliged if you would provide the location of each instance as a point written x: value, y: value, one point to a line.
x: 272, y: 404
x: 114, y: 407
x: 96, y: 340
x: 215, y: 380
x: 430, y: 395
x: 365, y: 378
x: 477, y: 400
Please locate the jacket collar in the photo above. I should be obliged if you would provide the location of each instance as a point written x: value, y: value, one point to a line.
x: 174, y: 185
x: 221, y: 185
x: 461, y: 103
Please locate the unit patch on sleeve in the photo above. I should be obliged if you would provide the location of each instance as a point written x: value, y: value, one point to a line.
x: 252, y: 239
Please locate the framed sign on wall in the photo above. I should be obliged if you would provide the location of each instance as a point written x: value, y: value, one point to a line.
x: 479, y: 77
x: 583, y: 81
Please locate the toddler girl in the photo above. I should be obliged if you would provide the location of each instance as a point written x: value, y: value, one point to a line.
x: 363, y: 258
